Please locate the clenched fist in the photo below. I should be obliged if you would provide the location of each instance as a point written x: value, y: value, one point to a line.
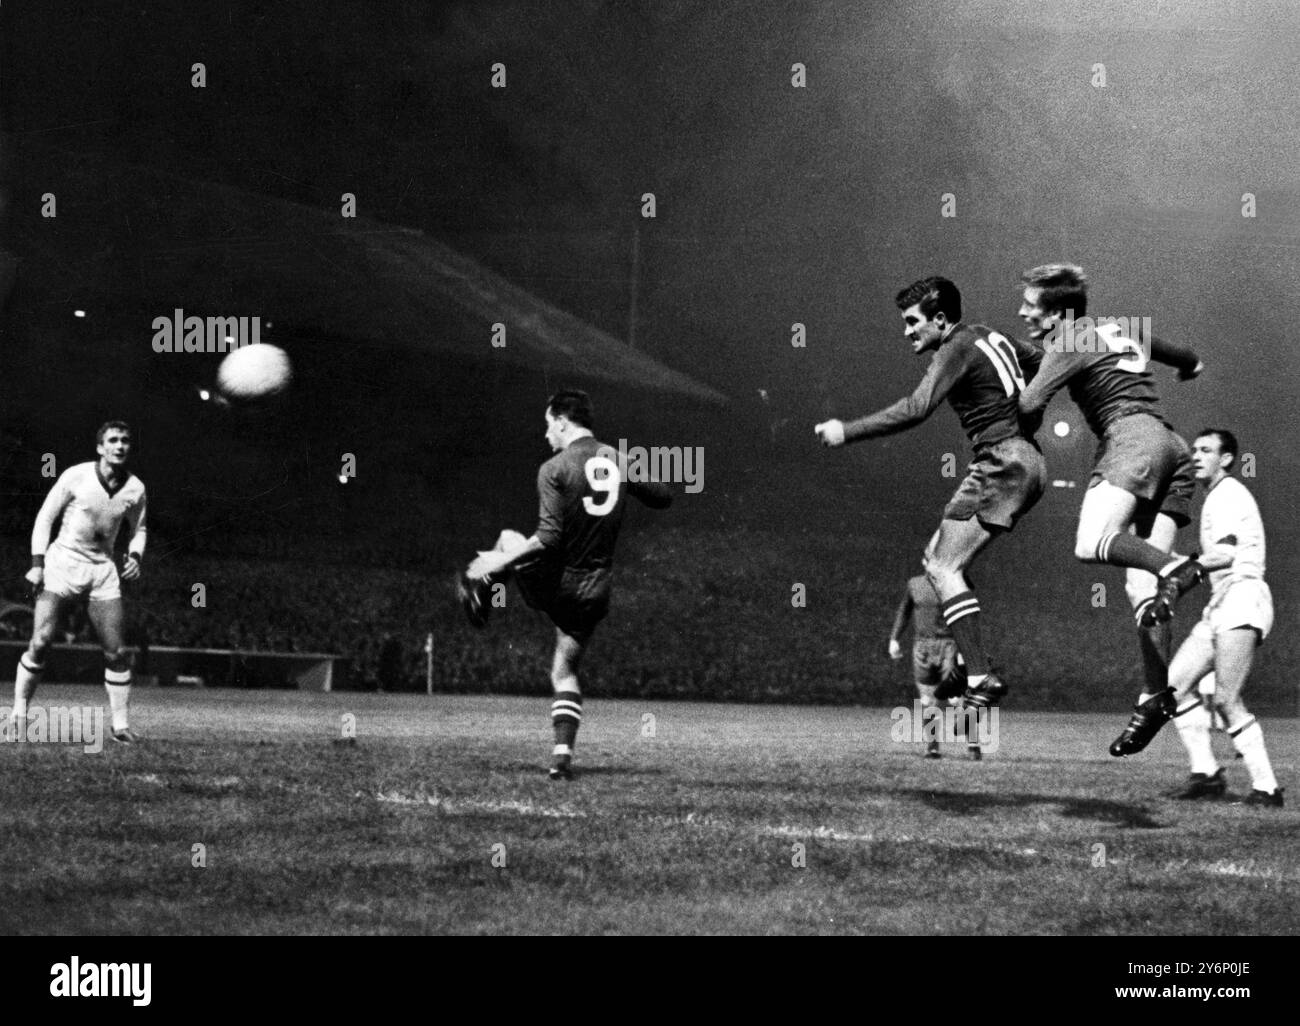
x: 831, y: 432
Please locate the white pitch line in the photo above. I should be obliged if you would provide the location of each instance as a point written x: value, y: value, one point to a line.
x: 1249, y: 869
x: 468, y: 806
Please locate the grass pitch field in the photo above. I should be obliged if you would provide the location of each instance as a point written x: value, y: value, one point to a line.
x: 439, y: 818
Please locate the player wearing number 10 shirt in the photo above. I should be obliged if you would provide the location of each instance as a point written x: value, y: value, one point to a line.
x: 564, y: 569
x: 981, y: 373
x: 1143, y: 480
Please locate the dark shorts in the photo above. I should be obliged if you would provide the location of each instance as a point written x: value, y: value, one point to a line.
x: 1145, y: 457
x: 575, y: 600
x: 1002, y: 484
x: 934, y: 660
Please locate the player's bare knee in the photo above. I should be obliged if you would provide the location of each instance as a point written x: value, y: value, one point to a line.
x: 1232, y: 708
x: 1085, y: 548
x: 564, y: 680
x: 116, y: 660
x: 944, y: 575
x: 42, y: 640
x: 1139, y: 586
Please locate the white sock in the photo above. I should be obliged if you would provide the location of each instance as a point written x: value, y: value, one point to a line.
x: 1249, y: 741
x: 25, y: 681
x: 1193, y: 723
x: 974, y: 680
x: 119, y: 697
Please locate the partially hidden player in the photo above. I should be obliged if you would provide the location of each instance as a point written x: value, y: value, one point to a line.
x: 936, y: 663
x: 1142, y: 481
x: 94, y: 499
x: 565, y: 567
x: 981, y: 373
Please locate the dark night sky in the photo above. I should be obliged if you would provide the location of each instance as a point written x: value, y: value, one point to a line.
x: 775, y: 204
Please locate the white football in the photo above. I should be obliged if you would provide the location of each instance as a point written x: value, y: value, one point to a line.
x: 251, y: 372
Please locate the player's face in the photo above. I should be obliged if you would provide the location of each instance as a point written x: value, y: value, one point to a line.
x: 116, y: 447
x: 1207, y: 457
x: 924, y: 334
x: 555, y: 431
x: 1038, y: 320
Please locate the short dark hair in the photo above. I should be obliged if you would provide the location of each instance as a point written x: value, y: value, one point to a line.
x: 1227, y: 441
x: 1064, y: 287
x: 935, y: 294
x: 574, y: 404
x: 110, y: 425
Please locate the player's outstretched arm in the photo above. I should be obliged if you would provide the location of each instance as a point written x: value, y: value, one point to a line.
x: 1176, y: 354
x: 945, y: 370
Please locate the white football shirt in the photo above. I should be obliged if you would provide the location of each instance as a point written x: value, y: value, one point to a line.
x: 1231, y: 517
x: 92, y: 514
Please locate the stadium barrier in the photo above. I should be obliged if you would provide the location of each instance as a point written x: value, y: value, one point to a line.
x: 189, y: 667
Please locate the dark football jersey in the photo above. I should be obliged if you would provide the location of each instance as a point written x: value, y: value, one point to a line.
x: 582, y: 493
x: 981, y: 373
x: 1108, y: 380
x: 927, y: 616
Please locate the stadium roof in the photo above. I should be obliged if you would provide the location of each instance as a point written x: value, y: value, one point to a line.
x: 150, y: 241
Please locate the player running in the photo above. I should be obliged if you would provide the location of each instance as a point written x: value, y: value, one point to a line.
x: 935, y: 660
x: 979, y: 372
x: 94, y: 499
x: 564, y: 569
x: 1235, y: 623
x: 1142, y: 484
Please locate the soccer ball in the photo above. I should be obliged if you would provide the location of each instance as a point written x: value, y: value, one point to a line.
x: 251, y: 372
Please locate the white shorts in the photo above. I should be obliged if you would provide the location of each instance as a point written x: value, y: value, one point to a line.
x: 70, y: 575
x: 1243, y: 603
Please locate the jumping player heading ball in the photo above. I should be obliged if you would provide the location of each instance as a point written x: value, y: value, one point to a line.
x: 981, y: 373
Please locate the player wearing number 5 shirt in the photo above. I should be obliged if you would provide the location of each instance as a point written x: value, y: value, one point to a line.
x: 981, y: 373
x: 564, y: 568
x: 1142, y: 484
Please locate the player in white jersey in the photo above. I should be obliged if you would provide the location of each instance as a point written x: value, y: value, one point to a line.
x: 94, y: 499
x: 1235, y: 623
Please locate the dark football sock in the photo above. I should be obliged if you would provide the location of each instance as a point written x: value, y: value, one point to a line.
x: 962, y: 613
x: 566, y: 716
x: 1119, y: 548
x: 1154, y: 644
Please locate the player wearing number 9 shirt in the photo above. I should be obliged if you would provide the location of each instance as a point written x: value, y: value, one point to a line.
x: 1143, y: 481
x: 980, y: 372
x: 565, y: 568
